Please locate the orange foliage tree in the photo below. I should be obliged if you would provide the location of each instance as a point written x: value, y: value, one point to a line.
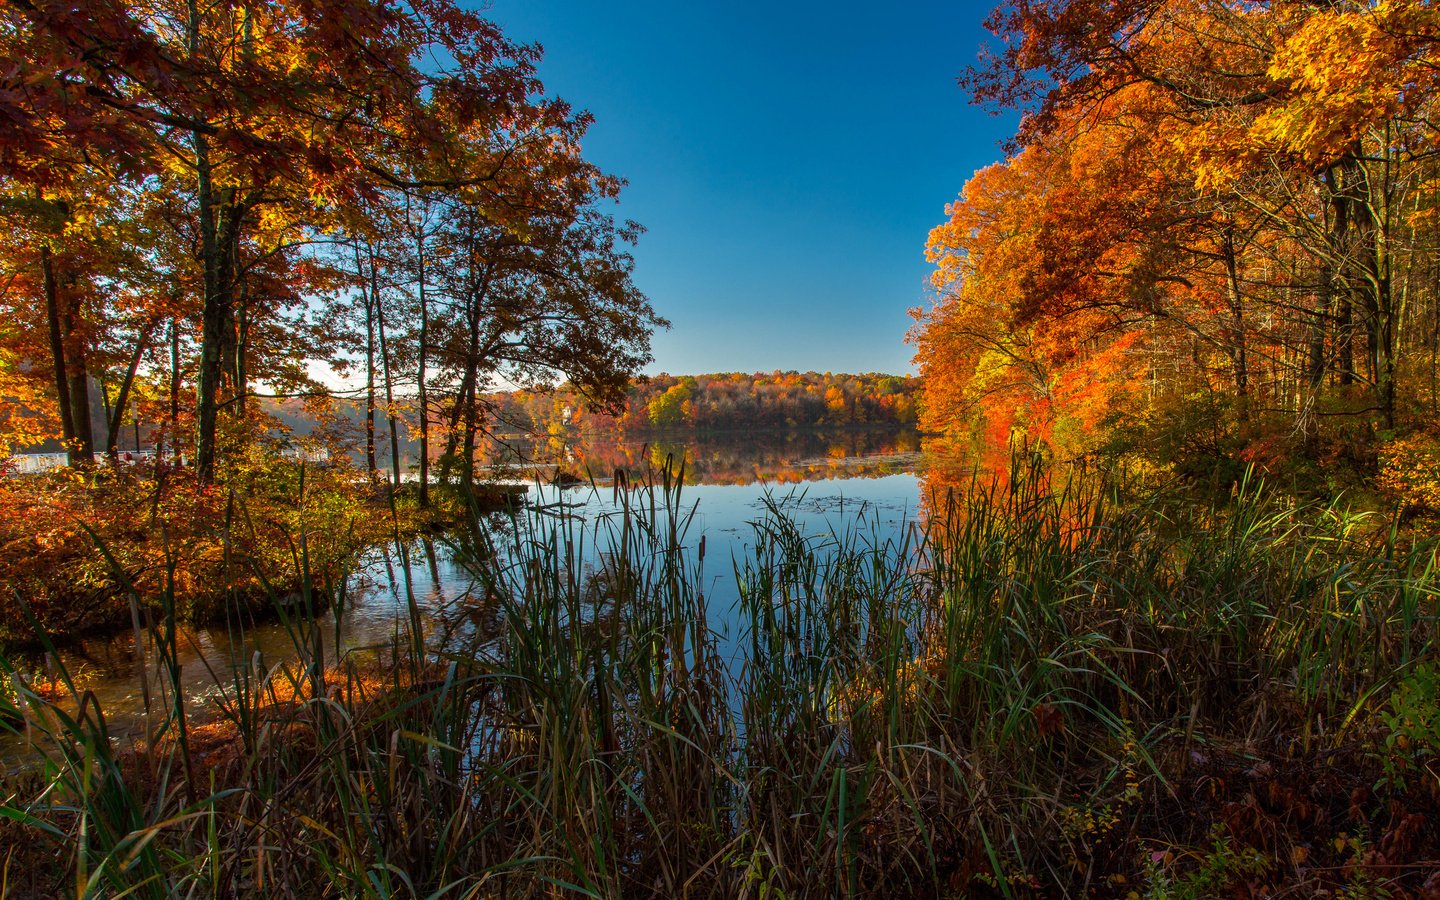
x: 1216, y: 216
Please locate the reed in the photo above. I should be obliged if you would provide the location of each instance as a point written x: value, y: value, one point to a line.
x: 1017, y: 696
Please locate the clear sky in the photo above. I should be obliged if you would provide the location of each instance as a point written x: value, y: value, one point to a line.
x: 788, y: 160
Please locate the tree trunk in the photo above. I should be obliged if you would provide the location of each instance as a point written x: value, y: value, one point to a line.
x: 175, y: 389
x: 423, y: 399
x: 1239, y: 356
x: 465, y: 398
x: 385, y: 367
x: 1315, y: 363
x: 1337, y: 270
x: 470, y: 384
x: 77, y: 377
x: 242, y: 339
x: 218, y: 234
x: 207, y: 400
x: 1370, y: 284
x: 122, y: 398
x: 57, y: 347
x: 370, y: 466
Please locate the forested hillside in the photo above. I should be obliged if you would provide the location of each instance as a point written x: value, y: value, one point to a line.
x: 725, y: 401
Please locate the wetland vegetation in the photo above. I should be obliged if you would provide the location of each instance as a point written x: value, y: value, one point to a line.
x: 1146, y: 608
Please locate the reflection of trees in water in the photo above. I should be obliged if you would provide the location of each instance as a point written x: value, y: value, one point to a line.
x: 779, y: 456
x: 953, y: 466
x: 1018, y: 484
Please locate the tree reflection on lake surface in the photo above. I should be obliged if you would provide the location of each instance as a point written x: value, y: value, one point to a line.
x: 827, y: 483
x: 735, y: 458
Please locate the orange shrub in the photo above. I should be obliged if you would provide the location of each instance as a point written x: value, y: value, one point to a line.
x: 1410, y: 470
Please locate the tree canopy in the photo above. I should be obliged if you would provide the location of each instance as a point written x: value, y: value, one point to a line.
x: 1216, y: 219
x: 204, y: 202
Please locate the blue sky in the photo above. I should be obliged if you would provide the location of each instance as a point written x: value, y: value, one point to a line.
x: 787, y: 160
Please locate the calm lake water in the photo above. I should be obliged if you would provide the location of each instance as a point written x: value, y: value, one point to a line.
x: 828, y: 484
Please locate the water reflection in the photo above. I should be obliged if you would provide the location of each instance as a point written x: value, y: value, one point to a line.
x: 783, y: 457
x: 826, y: 483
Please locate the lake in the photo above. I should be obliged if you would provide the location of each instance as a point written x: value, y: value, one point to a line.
x: 863, y: 482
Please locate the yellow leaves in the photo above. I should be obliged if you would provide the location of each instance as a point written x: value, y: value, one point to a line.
x: 1219, y: 152
x: 275, y: 223
x: 1410, y: 470
x: 27, y: 414
x: 1347, y: 73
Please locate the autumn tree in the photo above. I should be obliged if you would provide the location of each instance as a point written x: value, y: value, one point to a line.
x: 259, y: 138
x: 1205, y: 200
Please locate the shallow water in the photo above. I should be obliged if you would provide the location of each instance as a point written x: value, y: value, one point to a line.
x: 827, y: 486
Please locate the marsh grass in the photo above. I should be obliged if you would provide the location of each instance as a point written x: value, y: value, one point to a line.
x: 1051, y: 685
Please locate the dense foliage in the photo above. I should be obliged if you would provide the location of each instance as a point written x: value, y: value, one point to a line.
x: 745, y: 457
x: 1215, y: 237
x: 80, y: 554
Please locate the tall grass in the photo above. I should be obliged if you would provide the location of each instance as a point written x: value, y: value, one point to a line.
x: 1005, y: 699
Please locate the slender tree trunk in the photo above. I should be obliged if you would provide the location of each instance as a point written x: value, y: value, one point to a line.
x: 471, y: 384
x: 370, y: 467
x: 1239, y: 355
x: 212, y: 319
x: 242, y: 343
x: 1315, y: 362
x: 1338, y: 268
x: 207, y: 400
x: 385, y: 367
x: 175, y: 389
x: 57, y: 347
x: 122, y: 397
x: 423, y: 398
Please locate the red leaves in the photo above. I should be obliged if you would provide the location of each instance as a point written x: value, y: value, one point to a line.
x: 1049, y: 720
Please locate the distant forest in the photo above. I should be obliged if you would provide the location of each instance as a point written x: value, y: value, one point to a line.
x: 719, y: 402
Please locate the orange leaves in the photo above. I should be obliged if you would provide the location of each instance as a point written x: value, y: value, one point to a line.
x: 1212, y: 200
x: 27, y: 416
x: 1025, y: 266
x: 1410, y: 470
x: 1345, y: 75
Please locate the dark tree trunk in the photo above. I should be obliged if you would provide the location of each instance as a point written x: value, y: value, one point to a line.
x: 57, y: 346
x: 1370, y: 285
x: 1239, y: 355
x: 122, y: 397
x: 370, y: 467
x: 385, y: 368
x: 1315, y: 363
x: 175, y: 389
x: 78, y: 376
x: 423, y: 398
x: 219, y: 239
x: 242, y: 344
